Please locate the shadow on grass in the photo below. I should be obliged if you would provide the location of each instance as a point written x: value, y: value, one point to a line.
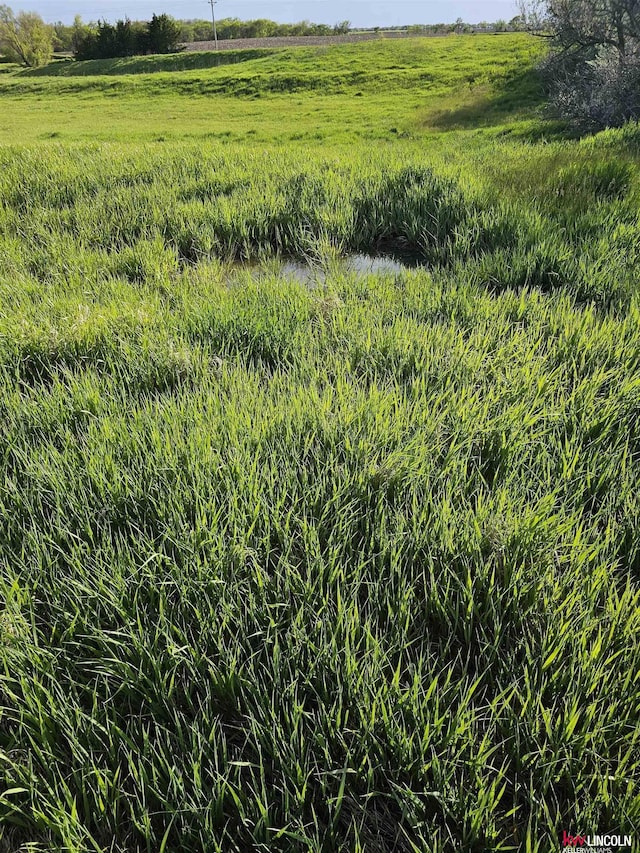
x: 518, y: 96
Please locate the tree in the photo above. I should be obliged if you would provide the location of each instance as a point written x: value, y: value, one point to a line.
x: 62, y: 37
x: 79, y: 32
x: 25, y: 37
x: 128, y: 39
x: 534, y: 15
x: 342, y: 28
x: 588, y: 25
x: 593, y: 70
x: 106, y: 41
x: 163, y: 34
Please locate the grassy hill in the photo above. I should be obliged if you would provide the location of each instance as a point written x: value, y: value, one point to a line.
x: 347, y: 563
x: 448, y: 59
x: 146, y: 64
x: 342, y: 91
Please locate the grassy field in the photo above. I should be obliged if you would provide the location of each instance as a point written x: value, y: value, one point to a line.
x: 344, y: 567
x: 337, y: 94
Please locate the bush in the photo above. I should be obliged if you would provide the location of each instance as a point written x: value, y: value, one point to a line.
x: 607, y: 180
x: 594, y: 67
x: 595, y: 91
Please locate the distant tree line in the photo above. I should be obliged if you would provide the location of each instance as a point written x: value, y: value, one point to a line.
x: 234, y: 28
x: 27, y: 39
x: 125, y: 38
x: 66, y: 37
x: 463, y: 27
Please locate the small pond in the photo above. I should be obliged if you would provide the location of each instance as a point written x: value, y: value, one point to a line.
x: 312, y: 274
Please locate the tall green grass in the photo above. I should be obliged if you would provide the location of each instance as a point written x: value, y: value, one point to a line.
x: 106, y: 211
x: 343, y: 570
x: 347, y: 565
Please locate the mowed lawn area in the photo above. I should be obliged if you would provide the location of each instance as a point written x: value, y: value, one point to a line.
x: 341, y: 562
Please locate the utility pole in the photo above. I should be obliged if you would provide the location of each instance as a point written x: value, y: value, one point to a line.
x: 212, y: 3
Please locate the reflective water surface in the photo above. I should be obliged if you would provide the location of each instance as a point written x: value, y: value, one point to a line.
x: 311, y: 273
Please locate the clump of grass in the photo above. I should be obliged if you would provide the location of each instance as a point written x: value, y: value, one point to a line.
x: 605, y: 180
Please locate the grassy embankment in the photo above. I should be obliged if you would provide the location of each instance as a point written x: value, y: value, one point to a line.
x: 352, y: 567
x: 345, y: 93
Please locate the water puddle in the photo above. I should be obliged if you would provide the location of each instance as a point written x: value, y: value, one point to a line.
x: 313, y: 274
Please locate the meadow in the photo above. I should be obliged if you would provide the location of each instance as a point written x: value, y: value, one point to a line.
x: 348, y: 565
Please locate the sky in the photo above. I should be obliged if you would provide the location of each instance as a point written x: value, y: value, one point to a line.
x: 361, y: 13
